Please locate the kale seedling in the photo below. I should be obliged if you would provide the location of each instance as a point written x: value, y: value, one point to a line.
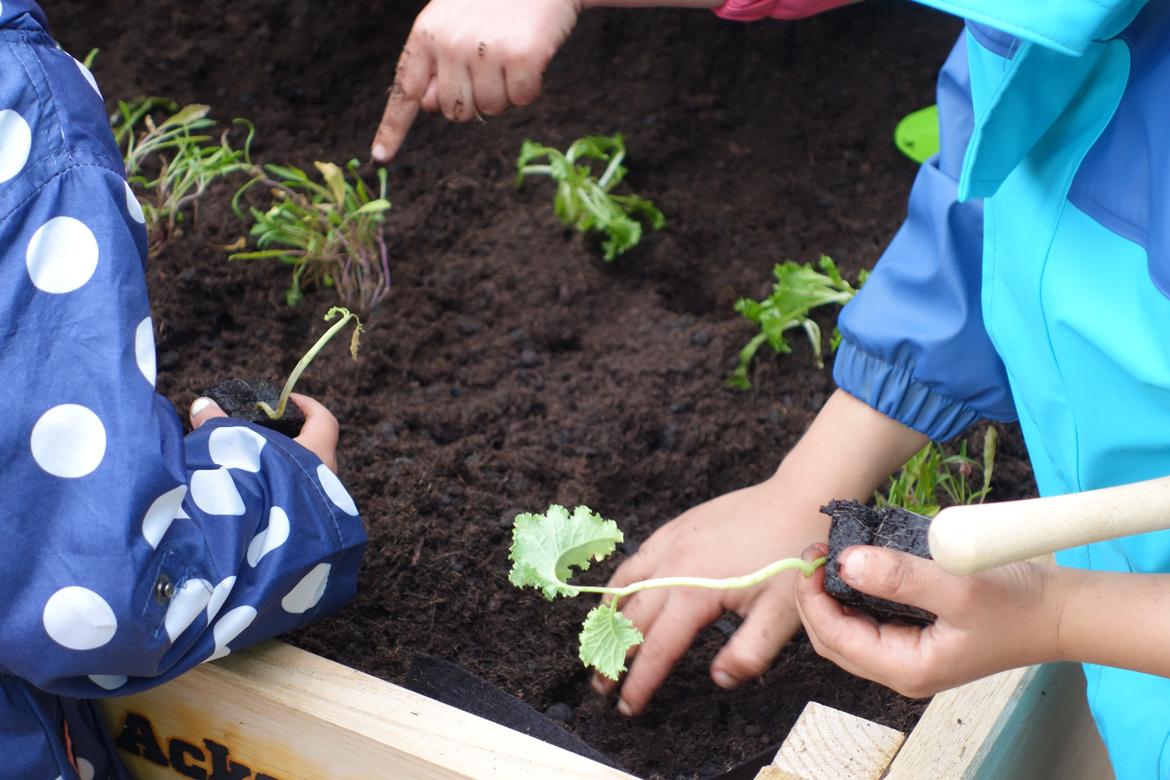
x: 253, y: 400
x: 799, y: 288
x: 171, y: 157
x: 546, y: 548
x: 331, y: 232
x: 586, y: 202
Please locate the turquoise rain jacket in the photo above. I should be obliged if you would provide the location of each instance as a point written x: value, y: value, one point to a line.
x: 1031, y: 280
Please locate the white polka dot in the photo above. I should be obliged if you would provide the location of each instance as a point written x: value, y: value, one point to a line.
x: 133, y: 205
x: 15, y: 144
x: 215, y: 493
x: 79, y: 619
x: 336, y: 492
x: 161, y: 513
x: 111, y: 682
x: 230, y: 626
x: 182, y: 514
x: 271, y: 537
x: 144, y: 349
x: 219, y: 596
x: 68, y: 441
x: 84, y: 769
x: 88, y: 76
x: 62, y: 255
x: 236, y: 448
x: 308, y: 591
x: 186, y: 605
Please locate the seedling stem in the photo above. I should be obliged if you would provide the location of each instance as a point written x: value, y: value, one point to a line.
x: 346, y: 316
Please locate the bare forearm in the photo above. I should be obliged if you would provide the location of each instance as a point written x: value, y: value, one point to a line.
x: 1115, y: 619
x: 847, y: 452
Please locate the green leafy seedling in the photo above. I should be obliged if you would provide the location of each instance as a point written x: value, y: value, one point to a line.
x: 586, y: 202
x: 931, y: 477
x: 799, y: 288
x: 330, y: 231
x: 546, y: 548
x: 354, y: 341
x: 172, y: 157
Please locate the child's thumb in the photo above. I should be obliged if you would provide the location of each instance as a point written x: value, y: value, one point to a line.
x: 202, y: 410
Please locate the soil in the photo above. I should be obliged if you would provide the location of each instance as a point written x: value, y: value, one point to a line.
x: 510, y: 367
x: 890, y: 527
x: 240, y: 398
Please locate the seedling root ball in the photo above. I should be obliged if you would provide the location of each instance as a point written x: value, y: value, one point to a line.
x: 890, y: 527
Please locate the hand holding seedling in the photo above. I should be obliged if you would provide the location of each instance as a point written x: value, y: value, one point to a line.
x: 318, y: 433
x: 1001, y: 619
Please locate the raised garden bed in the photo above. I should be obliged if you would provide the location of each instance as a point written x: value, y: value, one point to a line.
x: 509, y: 367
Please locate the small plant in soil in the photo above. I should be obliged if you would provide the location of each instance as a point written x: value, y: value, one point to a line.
x: 799, y: 288
x: 329, y: 231
x: 901, y: 519
x: 172, y: 158
x: 547, y: 547
x: 585, y: 201
x: 258, y: 400
x: 931, y: 478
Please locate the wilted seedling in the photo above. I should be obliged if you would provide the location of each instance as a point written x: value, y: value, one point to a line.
x: 547, y: 547
x: 799, y: 288
x: 586, y: 202
x: 173, y: 159
x: 331, y: 232
x: 257, y: 400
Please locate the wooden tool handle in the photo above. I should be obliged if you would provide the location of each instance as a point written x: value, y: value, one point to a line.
x: 971, y: 539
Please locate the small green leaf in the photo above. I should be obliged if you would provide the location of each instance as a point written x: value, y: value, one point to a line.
x: 546, y: 548
x: 605, y: 638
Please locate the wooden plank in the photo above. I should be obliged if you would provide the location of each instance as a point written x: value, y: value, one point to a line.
x: 278, y: 712
x: 1023, y: 723
x: 828, y: 744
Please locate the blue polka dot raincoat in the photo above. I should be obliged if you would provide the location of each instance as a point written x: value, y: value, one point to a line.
x: 129, y: 552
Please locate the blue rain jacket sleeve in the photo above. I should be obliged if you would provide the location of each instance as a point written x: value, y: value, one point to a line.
x: 128, y: 552
x: 913, y: 342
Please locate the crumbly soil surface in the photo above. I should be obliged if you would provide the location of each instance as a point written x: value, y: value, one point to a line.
x: 510, y: 367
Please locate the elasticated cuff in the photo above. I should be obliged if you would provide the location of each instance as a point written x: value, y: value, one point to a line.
x: 893, y: 391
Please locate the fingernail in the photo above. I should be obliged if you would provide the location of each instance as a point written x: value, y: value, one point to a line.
x: 723, y: 679
x: 598, y: 686
x: 810, y: 553
x: 380, y: 153
x: 199, y: 404
x: 852, y: 565
x: 624, y: 709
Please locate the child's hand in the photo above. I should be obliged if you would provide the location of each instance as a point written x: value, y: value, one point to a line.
x: 1001, y: 619
x: 727, y: 536
x: 318, y: 433
x: 472, y: 57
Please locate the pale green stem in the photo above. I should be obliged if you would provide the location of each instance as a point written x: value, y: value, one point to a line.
x: 807, y: 568
x: 347, y: 315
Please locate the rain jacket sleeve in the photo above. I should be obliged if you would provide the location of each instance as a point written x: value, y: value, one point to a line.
x: 129, y: 552
x: 914, y: 346
x: 751, y: 10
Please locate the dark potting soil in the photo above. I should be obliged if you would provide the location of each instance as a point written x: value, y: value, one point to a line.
x: 891, y: 527
x: 510, y: 367
x: 239, y: 398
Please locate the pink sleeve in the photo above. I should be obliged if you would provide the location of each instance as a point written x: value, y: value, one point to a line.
x: 751, y: 10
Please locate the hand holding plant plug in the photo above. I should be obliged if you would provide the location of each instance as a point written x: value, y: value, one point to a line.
x: 1001, y: 619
